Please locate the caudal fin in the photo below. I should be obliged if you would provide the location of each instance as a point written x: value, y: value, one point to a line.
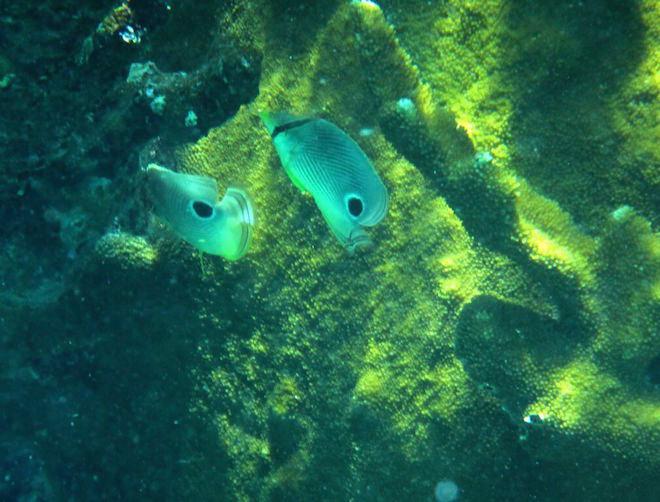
x: 244, y: 216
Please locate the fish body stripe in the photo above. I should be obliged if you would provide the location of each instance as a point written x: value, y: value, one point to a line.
x: 324, y: 161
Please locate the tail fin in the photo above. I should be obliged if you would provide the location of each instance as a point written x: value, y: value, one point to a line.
x: 244, y: 219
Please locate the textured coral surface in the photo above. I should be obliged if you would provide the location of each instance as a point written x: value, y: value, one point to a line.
x: 502, y: 332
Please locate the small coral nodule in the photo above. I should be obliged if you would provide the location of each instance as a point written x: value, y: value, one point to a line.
x: 189, y: 204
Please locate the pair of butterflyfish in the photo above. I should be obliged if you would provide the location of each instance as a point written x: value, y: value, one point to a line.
x: 320, y: 159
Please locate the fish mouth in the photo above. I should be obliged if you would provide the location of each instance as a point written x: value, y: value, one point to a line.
x: 357, y: 239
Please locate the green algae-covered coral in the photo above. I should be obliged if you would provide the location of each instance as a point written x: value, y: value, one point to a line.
x: 429, y: 283
x: 502, y: 330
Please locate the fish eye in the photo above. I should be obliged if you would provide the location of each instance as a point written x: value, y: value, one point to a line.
x: 355, y: 206
x: 202, y: 209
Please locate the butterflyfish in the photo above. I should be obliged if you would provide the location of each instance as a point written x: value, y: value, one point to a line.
x: 324, y: 161
x: 190, y: 205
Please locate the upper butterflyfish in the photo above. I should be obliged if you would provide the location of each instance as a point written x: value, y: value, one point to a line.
x: 323, y: 160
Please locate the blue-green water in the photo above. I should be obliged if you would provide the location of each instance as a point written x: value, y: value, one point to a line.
x: 497, y: 340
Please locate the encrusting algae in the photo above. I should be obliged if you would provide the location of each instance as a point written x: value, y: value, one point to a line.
x: 411, y: 298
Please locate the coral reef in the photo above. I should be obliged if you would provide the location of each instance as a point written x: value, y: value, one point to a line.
x: 501, y: 333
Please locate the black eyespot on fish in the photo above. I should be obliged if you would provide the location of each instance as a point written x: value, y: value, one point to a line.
x: 355, y: 206
x: 202, y: 209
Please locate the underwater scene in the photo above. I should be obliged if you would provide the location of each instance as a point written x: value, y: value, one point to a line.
x: 391, y: 250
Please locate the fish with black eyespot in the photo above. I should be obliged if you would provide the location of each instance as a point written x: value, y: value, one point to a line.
x: 189, y: 204
x: 324, y: 161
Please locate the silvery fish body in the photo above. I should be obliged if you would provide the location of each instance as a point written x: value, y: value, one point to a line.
x: 189, y: 203
x: 323, y: 160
